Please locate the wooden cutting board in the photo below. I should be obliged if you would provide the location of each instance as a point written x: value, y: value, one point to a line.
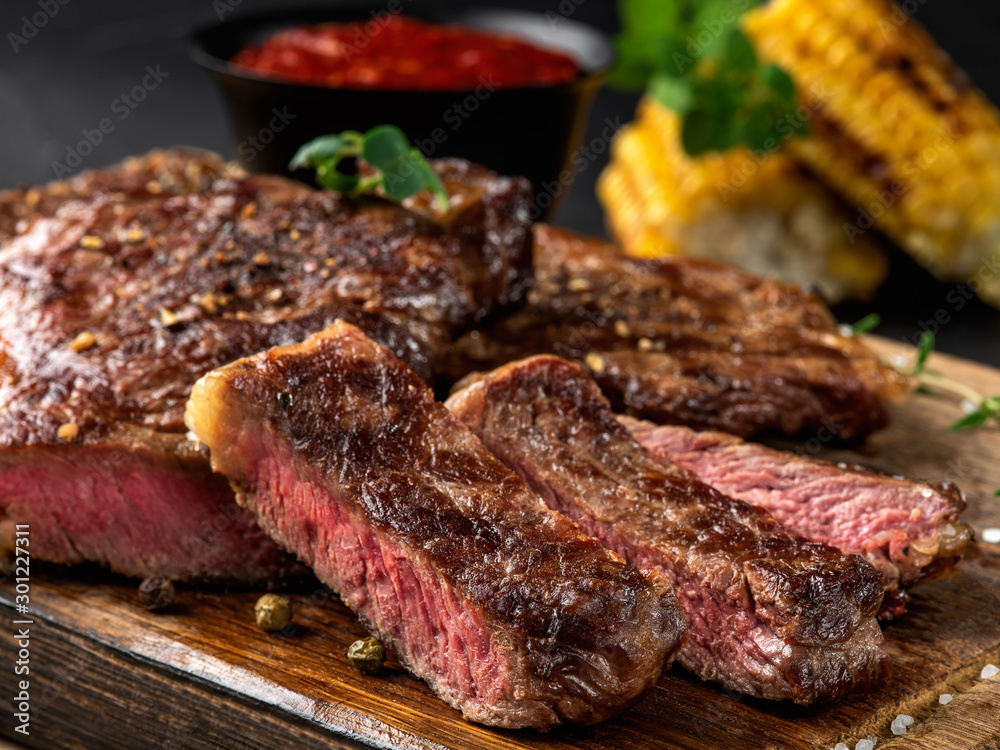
x: 107, y: 674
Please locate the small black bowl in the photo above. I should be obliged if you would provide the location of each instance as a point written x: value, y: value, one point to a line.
x: 530, y: 131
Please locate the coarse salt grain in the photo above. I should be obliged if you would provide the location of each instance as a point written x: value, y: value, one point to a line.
x: 864, y: 745
x: 991, y: 535
x: 990, y: 670
x: 945, y: 699
x: 905, y: 719
x: 841, y: 746
x: 897, y: 728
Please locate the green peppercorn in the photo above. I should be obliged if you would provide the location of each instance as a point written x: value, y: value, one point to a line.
x: 156, y: 592
x: 272, y: 612
x: 368, y: 655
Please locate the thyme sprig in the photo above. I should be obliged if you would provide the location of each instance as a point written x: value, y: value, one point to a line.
x: 985, y: 408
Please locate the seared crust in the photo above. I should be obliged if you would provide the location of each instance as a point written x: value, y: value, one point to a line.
x: 174, y: 269
x: 356, y: 426
x: 122, y: 286
x: 549, y: 422
x: 689, y: 341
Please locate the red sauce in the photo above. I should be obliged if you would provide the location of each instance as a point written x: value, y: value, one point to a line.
x: 395, y: 52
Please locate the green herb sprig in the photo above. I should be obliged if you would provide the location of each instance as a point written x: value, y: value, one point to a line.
x: 867, y: 324
x: 692, y: 57
x: 987, y: 407
x: 398, y: 170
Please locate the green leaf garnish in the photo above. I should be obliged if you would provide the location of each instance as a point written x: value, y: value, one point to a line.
x: 398, y: 169
x: 989, y: 408
x: 924, y: 349
x: 986, y: 408
x: 996, y: 494
x: 868, y: 323
x: 693, y: 57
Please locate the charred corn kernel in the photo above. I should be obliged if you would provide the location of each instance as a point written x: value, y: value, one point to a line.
x: 897, y: 130
x: 759, y: 210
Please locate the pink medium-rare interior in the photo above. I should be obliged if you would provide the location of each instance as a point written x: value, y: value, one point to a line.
x: 899, y: 525
x: 135, y: 513
x: 428, y: 624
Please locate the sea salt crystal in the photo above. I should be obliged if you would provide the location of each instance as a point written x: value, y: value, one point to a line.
x: 969, y: 406
x: 841, y: 746
x: 990, y: 670
x: 864, y: 745
x: 897, y: 728
x: 905, y: 719
x: 945, y: 699
x: 991, y: 535
x: 845, y: 330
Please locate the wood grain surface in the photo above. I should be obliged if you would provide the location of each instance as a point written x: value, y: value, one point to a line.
x: 107, y: 674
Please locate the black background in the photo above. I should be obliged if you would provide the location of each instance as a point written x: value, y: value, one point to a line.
x: 66, y: 77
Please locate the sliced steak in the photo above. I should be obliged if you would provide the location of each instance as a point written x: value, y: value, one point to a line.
x: 688, y: 341
x: 908, y: 530
x: 125, y: 285
x: 505, y: 608
x: 771, y: 615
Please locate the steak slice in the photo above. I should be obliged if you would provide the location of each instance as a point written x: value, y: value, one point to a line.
x: 687, y: 341
x: 505, y: 608
x: 908, y: 530
x: 123, y: 286
x: 771, y: 615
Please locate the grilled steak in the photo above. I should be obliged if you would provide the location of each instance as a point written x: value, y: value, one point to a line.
x: 505, y: 608
x: 125, y: 285
x: 158, y: 173
x: 771, y: 615
x: 908, y: 530
x: 688, y: 341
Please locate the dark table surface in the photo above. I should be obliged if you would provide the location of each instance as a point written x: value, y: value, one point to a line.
x: 68, y: 76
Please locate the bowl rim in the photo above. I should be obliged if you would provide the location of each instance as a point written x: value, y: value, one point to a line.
x: 199, y: 38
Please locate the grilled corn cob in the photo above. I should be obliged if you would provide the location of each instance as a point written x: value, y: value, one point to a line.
x: 898, y: 130
x: 761, y: 211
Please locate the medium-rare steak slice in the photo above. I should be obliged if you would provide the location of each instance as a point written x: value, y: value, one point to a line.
x: 504, y: 607
x: 771, y: 615
x: 689, y: 341
x: 908, y: 530
x: 123, y: 286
